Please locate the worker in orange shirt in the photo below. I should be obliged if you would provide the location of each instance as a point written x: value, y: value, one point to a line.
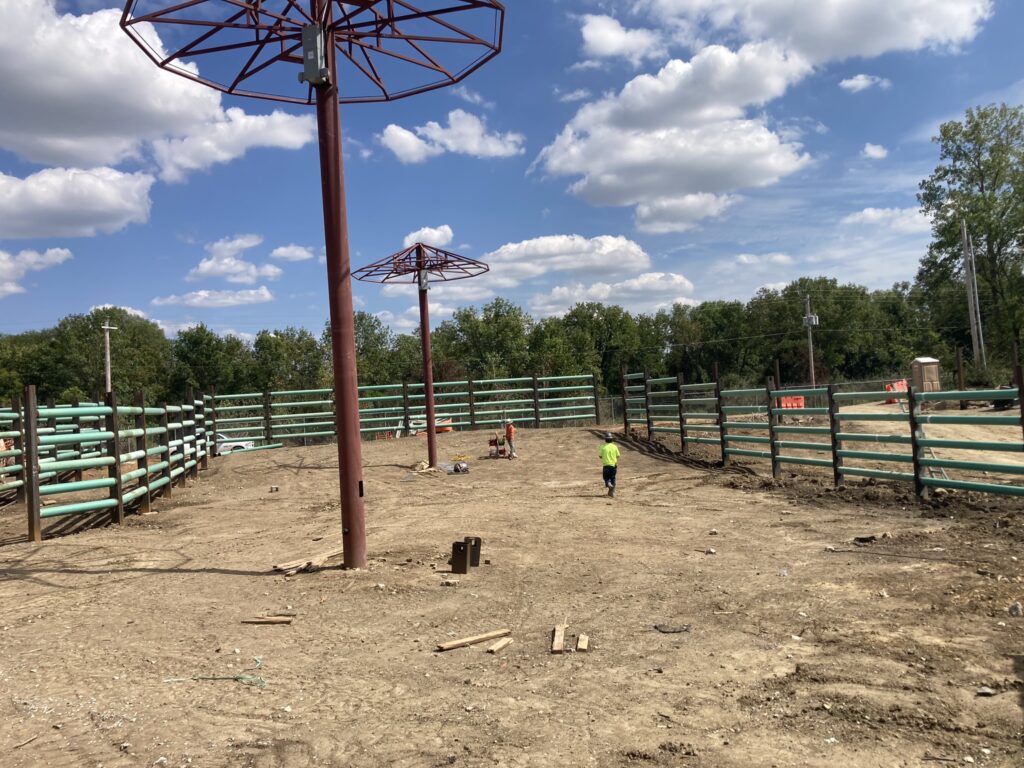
x: 510, y: 439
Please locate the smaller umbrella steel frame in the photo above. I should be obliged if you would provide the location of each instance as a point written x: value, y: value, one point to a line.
x: 422, y: 264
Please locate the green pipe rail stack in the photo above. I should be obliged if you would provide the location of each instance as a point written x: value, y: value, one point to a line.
x: 829, y: 432
x: 131, y: 453
x: 270, y: 419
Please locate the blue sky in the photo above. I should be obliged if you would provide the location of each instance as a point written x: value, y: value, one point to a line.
x: 638, y: 153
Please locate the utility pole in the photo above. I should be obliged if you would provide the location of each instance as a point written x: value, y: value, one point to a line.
x: 107, y: 328
x: 810, y: 321
x: 973, y: 308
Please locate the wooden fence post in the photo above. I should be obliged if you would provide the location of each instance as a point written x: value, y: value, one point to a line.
x: 833, y: 423
x: 204, y: 463
x: 211, y: 433
x: 961, y: 379
x: 30, y: 460
x: 680, y: 382
x: 165, y: 473
x: 75, y: 402
x: 141, y: 444
x: 647, y: 405
x: 625, y: 402
x: 721, y: 416
x: 472, y: 405
x: 406, y: 416
x: 773, y: 421
x: 597, y: 400
x: 912, y: 406
x: 778, y: 385
x: 1018, y: 379
x: 114, y: 470
x: 18, y: 426
x: 268, y: 425
x: 536, y: 403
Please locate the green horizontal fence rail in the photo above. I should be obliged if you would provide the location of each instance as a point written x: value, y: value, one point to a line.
x: 752, y: 423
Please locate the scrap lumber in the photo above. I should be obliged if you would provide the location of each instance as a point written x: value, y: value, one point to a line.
x: 582, y: 644
x: 473, y: 640
x: 268, y: 620
x: 501, y: 645
x: 558, y: 638
x: 292, y: 567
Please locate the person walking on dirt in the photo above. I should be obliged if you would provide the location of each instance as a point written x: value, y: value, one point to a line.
x: 610, y: 460
x: 510, y: 440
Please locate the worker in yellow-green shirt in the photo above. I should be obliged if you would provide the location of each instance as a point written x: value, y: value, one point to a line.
x: 610, y: 459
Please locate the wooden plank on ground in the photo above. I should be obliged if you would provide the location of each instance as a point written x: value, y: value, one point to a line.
x: 473, y: 640
x: 582, y: 644
x: 268, y: 620
x: 558, y: 638
x: 315, y: 561
x: 501, y: 645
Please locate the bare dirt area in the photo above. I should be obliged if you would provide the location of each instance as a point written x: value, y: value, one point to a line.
x: 732, y: 619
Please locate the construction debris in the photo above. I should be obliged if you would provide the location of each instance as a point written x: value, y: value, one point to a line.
x: 268, y: 620
x: 314, y: 563
x: 558, y: 638
x: 501, y: 645
x: 582, y: 644
x: 473, y: 640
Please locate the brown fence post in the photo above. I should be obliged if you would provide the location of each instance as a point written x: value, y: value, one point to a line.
x: 204, y: 463
x: 165, y: 473
x: 625, y: 402
x: 472, y: 404
x: 773, y: 421
x: 406, y: 416
x: 536, y: 403
x: 139, y: 401
x: 778, y: 385
x: 833, y: 424
x: 75, y: 403
x: 961, y: 379
x: 721, y: 416
x: 1018, y: 378
x: 114, y: 470
x: 681, y: 403
x: 189, y: 432
x: 211, y: 434
x: 648, y: 413
x: 30, y: 460
x: 18, y: 427
x: 268, y: 426
x: 912, y: 406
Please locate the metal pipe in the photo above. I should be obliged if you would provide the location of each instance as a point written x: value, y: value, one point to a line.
x: 428, y: 363
x: 339, y: 284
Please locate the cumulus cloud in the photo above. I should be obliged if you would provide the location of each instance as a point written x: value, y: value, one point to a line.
x: 217, y: 299
x: 292, y: 252
x: 646, y: 292
x: 438, y: 237
x: 68, y: 202
x: 831, y: 30
x: 14, y: 267
x: 751, y: 259
x: 224, y: 262
x: 129, y: 310
x: 897, y: 220
x: 605, y: 254
x: 465, y: 134
x: 677, y: 144
x: 471, y: 97
x: 227, y: 139
x: 604, y: 38
x: 77, y: 92
x: 409, y: 320
x: 874, y: 152
x: 859, y: 83
x: 567, y: 97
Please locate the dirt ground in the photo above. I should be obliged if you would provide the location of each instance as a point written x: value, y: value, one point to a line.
x: 800, y: 648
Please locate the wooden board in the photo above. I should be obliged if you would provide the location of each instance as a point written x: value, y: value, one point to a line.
x: 558, y: 638
x: 269, y: 620
x: 473, y: 640
x: 582, y: 644
x: 501, y: 645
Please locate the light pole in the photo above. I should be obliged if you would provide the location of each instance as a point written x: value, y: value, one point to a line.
x: 362, y: 45
x: 107, y: 328
x: 810, y: 321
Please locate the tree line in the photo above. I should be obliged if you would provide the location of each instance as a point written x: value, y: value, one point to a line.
x: 863, y: 334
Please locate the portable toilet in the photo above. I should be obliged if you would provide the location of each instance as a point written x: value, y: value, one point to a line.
x: 924, y: 373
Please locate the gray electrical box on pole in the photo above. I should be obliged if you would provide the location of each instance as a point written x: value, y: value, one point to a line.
x: 314, y: 64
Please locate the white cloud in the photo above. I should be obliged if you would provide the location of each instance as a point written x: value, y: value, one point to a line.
x: 438, y: 237
x: 646, y: 292
x: 579, y: 94
x: 465, y: 134
x: 604, y: 37
x: 530, y: 259
x: 76, y: 91
x: 678, y: 143
x: 471, y: 97
x: 216, y: 299
x: 129, y: 310
x: 831, y: 30
x: 897, y: 220
x: 859, y: 83
x: 14, y: 267
x: 874, y: 152
x: 67, y: 202
x: 775, y: 259
x: 409, y: 320
x: 227, y: 139
x: 224, y: 262
x: 292, y: 252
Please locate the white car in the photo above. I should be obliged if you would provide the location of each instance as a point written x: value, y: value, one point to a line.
x: 226, y: 444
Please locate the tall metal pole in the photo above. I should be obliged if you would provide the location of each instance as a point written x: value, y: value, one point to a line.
x: 339, y: 285
x: 428, y: 362
x: 107, y: 328
x: 971, y: 286
x: 809, y: 321
x: 977, y: 302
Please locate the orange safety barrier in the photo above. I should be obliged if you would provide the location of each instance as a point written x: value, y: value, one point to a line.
x: 896, y: 386
x: 440, y: 425
x: 791, y: 401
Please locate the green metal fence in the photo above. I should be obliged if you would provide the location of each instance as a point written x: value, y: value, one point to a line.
x: 827, y: 430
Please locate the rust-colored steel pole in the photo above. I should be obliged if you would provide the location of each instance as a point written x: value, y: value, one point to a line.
x: 428, y: 362
x: 339, y: 284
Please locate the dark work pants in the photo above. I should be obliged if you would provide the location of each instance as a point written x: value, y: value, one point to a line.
x: 608, y: 473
